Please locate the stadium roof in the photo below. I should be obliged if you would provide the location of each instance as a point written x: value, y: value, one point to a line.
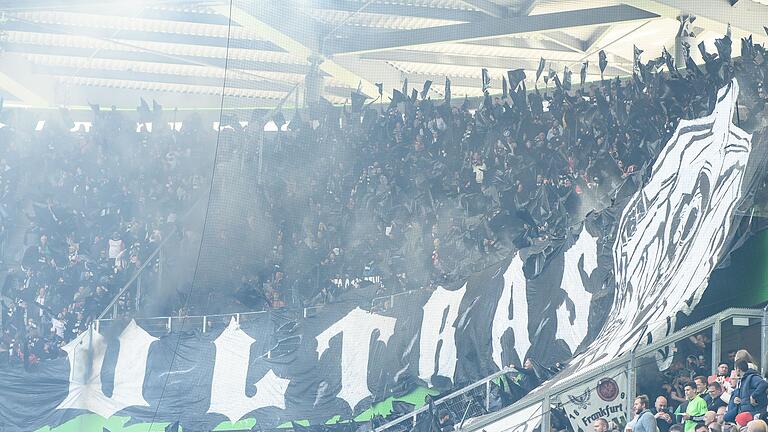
x: 59, y: 52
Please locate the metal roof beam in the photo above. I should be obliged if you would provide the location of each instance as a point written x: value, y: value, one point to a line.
x: 461, y: 60
x: 597, y: 39
x: 527, y: 7
x: 567, y: 41
x: 413, y: 11
x: 240, y: 64
x: 144, y: 36
x: 494, y: 27
x: 17, y: 78
x: 489, y: 7
x: 747, y: 16
x: 15, y: 5
x: 164, y: 78
x: 287, y: 36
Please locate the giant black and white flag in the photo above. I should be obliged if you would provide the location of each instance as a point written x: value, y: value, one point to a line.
x: 547, y: 301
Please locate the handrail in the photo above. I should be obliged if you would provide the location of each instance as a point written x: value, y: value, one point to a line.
x: 145, y: 264
x: 458, y: 392
x: 241, y: 314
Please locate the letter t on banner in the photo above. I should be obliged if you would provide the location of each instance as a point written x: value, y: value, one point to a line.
x: 230, y: 370
x: 356, y: 329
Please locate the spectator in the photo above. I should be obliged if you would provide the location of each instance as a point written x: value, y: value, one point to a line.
x: 447, y: 424
x: 715, y: 398
x: 529, y: 380
x: 701, y: 385
x: 757, y: 426
x: 749, y: 395
x: 600, y: 425
x: 743, y: 419
x: 743, y: 354
x: 709, y: 418
x: 722, y: 375
x: 644, y: 420
x: 694, y: 409
x: 664, y: 417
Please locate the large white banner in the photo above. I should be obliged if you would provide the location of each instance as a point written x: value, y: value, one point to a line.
x: 603, y: 397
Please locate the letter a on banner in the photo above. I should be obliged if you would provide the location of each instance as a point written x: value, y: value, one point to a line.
x: 356, y: 329
x: 230, y: 370
x: 85, y: 391
x: 437, y: 325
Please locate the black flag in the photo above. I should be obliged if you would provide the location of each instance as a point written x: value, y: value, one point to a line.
x: 583, y: 73
x: 724, y: 46
x: 542, y: 63
x: 690, y: 65
x: 670, y: 62
x: 447, y: 97
x: 603, y: 63
x: 425, y: 89
x: 515, y: 78
x: 486, y: 80
x: 636, y: 52
x: 556, y: 79
x: 145, y: 115
x: 504, y: 91
x: 397, y: 97
x: 358, y: 99
x: 747, y: 48
x: 173, y: 427
x: 550, y: 75
x: 279, y: 120
x: 405, y: 87
x: 566, y: 78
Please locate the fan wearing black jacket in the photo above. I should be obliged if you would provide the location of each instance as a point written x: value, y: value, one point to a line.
x: 749, y: 394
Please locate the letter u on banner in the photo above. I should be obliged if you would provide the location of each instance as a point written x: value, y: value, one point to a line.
x: 131, y: 367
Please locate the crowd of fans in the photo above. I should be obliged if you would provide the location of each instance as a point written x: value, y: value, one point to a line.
x: 417, y: 193
x: 424, y: 192
x: 81, y: 213
x: 734, y: 398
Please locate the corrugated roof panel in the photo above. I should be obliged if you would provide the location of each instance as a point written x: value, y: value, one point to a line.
x: 159, y: 68
x: 134, y: 24
x: 551, y: 6
x: 174, y: 49
x: 495, y: 51
x: 363, y: 19
x: 168, y: 87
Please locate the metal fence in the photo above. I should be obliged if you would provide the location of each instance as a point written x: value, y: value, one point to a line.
x: 384, y: 303
x: 468, y: 402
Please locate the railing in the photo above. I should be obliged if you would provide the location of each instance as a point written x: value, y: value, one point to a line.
x: 136, y: 278
x: 472, y: 399
x: 383, y: 303
x: 477, y: 403
x: 207, y: 323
